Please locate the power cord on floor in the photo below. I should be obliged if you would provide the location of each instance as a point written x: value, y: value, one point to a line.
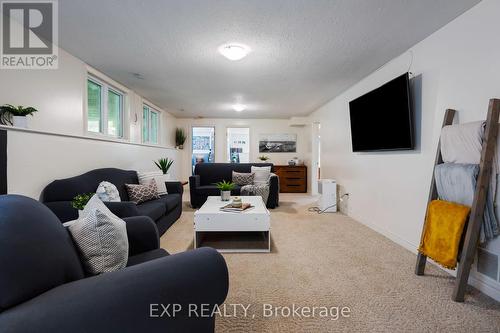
x: 321, y: 211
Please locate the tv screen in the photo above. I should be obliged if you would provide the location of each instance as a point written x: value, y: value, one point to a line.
x: 383, y: 119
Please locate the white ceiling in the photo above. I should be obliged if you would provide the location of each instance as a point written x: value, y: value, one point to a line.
x: 305, y: 52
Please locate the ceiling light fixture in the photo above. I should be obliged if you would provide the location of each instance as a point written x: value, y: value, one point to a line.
x: 239, y: 107
x: 234, y: 51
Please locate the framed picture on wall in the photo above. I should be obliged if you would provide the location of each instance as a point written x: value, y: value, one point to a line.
x: 277, y: 143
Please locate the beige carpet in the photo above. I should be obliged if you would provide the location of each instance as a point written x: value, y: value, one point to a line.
x: 331, y: 260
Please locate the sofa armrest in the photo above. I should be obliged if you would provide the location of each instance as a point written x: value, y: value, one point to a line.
x: 131, y: 299
x: 142, y: 234
x: 123, y: 208
x: 174, y: 187
x: 194, y: 181
x: 274, y: 190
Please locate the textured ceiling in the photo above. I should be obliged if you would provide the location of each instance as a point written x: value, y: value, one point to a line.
x: 305, y: 52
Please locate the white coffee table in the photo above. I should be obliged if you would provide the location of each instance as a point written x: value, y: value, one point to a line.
x: 248, y: 231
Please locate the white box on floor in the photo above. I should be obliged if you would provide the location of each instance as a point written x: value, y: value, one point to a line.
x: 327, y: 188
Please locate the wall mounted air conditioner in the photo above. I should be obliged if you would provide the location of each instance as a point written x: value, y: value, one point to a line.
x: 327, y: 188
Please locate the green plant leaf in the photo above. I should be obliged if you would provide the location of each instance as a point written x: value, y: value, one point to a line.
x: 80, y: 201
x: 225, y: 185
x: 180, y: 136
x: 164, y: 164
x: 10, y: 110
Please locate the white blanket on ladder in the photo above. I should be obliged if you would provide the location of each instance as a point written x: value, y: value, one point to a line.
x: 462, y: 144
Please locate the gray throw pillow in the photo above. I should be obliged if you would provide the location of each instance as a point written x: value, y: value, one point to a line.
x: 101, y: 238
x: 243, y: 178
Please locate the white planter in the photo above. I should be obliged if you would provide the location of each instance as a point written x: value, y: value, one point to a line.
x: 161, y: 178
x: 80, y: 213
x: 225, y: 195
x: 20, y: 121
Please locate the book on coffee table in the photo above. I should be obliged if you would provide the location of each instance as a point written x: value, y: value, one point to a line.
x: 236, y: 208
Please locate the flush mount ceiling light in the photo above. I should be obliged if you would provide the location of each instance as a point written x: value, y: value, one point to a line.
x: 239, y: 107
x: 234, y: 51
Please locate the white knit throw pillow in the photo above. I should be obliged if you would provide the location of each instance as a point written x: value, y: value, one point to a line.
x: 158, y: 176
x: 261, y: 175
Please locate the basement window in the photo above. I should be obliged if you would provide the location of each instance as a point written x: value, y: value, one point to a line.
x: 150, y: 124
x: 104, y: 108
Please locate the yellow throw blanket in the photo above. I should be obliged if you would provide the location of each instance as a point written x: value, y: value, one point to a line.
x: 444, y: 225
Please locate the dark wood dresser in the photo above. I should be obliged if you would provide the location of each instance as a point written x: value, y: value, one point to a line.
x: 293, y: 179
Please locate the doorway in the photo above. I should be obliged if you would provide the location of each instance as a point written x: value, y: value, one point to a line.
x: 238, y: 145
x: 202, y: 145
x: 315, y: 173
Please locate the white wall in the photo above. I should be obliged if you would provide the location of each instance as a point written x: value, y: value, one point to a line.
x: 57, y: 94
x: 257, y: 126
x: 457, y: 67
x: 35, y: 159
x: 60, y: 98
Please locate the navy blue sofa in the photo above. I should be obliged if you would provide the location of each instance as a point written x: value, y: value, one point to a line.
x: 43, y: 287
x: 164, y: 211
x: 202, y: 182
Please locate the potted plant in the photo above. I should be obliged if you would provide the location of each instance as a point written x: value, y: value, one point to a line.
x: 180, y: 137
x: 80, y: 201
x: 15, y: 115
x: 225, y: 189
x: 264, y: 158
x: 164, y: 165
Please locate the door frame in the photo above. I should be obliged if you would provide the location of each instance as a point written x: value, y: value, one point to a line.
x: 315, y: 156
x: 191, y: 144
x: 226, y: 148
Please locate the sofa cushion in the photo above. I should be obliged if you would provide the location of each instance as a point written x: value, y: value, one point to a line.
x: 146, y: 256
x: 171, y: 201
x: 212, y: 190
x: 207, y: 190
x: 153, y: 209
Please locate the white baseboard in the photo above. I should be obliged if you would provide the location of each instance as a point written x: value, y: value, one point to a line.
x: 486, y: 285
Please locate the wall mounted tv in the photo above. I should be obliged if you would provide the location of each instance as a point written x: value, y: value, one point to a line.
x: 383, y: 118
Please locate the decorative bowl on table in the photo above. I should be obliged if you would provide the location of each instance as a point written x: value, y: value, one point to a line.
x: 237, y: 203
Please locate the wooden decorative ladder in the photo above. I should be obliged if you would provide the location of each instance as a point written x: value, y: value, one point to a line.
x: 478, y: 204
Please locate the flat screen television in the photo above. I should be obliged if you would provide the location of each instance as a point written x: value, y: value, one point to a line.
x: 383, y: 119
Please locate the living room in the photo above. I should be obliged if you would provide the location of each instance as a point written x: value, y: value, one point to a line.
x: 125, y: 150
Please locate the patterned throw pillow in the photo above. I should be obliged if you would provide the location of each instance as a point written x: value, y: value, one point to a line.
x: 243, y: 178
x: 108, y: 192
x: 101, y: 238
x: 142, y: 193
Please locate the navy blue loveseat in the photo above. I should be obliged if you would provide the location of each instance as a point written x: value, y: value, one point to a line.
x: 43, y: 287
x: 202, y: 183
x: 164, y: 211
